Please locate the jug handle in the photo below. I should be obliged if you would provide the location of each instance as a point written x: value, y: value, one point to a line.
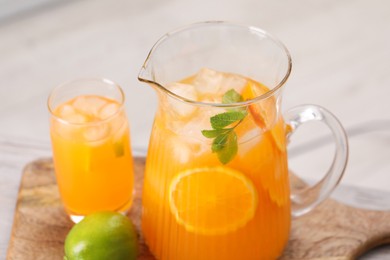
x: 306, y: 199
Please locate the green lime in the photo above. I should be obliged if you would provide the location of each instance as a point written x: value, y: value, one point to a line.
x: 103, y: 235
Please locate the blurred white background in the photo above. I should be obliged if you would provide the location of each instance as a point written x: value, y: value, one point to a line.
x: 340, y: 51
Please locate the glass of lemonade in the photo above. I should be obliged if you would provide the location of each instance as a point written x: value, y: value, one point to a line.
x: 216, y: 181
x: 91, y: 147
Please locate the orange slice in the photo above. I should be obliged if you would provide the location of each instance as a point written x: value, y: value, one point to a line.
x: 263, y: 111
x: 212, y: 200
x: 278, y: 133
x: 264, y: 114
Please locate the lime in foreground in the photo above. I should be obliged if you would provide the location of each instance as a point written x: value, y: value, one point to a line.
x: 101, y: 236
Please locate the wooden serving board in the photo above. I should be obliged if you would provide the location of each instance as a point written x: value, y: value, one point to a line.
x: 332, y: 231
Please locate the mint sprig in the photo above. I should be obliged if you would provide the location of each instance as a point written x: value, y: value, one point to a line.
x: 225, y: 139
x: 222, y: 120
x: 119, y: 148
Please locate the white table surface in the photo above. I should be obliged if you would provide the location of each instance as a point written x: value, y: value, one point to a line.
x: 341, y: 60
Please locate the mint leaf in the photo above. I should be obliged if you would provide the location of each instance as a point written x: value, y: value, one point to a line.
x: 219, y: 142
x: 222, y: 120
x: 214, y: 133
x: 231, y: 96
x: 225, y: 139
x: 229, y: 149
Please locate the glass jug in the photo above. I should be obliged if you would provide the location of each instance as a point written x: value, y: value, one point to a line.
x: 216, y: 181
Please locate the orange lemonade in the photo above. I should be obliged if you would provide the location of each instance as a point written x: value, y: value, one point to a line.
x: 92, y: 156
x: 216, y: 182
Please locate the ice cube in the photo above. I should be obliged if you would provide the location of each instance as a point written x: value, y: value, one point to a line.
x: 193, y: 127
x: 108, y: 110
x: 69, y: 114
x: 95, y: 133
x: 81, y: 104
x: 181, y: 150
x: 65, y: 111
x: 232, y: 81
x: 208, y: 81
x: 185, y: 148
x: 212, y: 85
x: 95, y: 104
x: 186, y: 91
x: 89, y: 105
x: 75, y: 119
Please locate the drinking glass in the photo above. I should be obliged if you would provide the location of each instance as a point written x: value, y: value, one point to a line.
x: 91, y: 147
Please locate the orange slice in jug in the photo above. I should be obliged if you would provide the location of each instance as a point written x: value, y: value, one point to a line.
x: 264, y: 112
x: 212, y: 200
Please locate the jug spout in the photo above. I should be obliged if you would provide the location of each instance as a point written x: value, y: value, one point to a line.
x: 145, y: 74
x: 151, y: 69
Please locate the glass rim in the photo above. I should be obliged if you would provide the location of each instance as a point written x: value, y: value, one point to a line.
x: 104, y: 80
x: 266, y: 95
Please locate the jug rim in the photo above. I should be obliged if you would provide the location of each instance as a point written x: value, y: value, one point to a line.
x: 266, y: 95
